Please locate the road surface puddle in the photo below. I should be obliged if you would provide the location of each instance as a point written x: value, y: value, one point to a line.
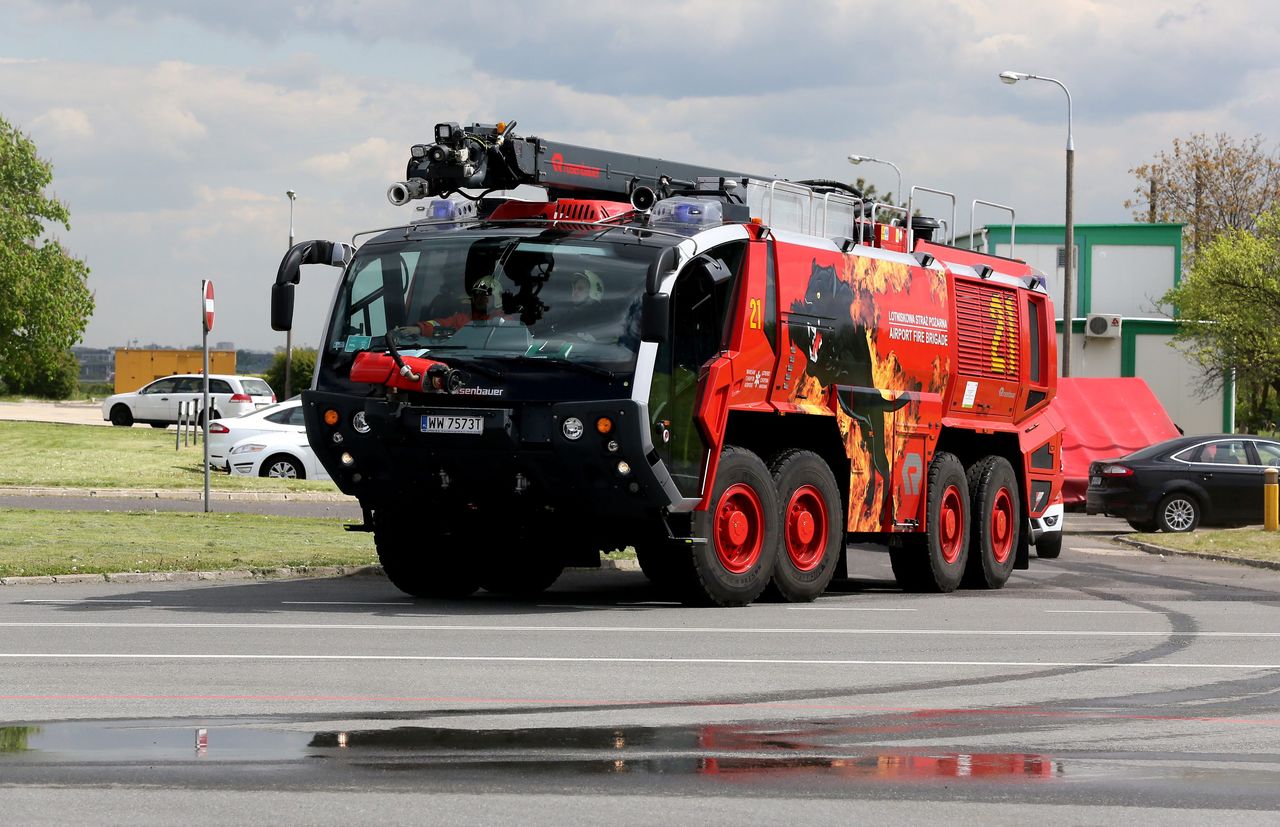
x: 724, y: 750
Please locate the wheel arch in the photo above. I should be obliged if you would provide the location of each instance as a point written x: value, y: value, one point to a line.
x: 768, y: 435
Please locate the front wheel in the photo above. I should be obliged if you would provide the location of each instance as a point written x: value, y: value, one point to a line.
x: 282, y: 467
x: 421, y: 562
x: 1049, y: 546
x: 812, y: 529
x: 1178, y: 512
x: 121, y: 416
x: 740, y: 531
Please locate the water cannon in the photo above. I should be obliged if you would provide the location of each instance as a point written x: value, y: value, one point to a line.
x: 490, y: 157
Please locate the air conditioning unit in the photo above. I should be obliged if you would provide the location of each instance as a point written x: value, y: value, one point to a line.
x: 1102, y: 326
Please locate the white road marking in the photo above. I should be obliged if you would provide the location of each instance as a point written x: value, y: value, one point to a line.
x: 630, y: 630
x: 616, y: 660
x: 1104, y: 612
x: 84, y: 600
x: 845, y: 609
x: 345, y: 603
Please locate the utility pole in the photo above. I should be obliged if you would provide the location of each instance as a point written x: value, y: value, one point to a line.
x: 288, y: 336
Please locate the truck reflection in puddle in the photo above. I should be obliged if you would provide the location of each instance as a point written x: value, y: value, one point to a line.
x: 728, y: 752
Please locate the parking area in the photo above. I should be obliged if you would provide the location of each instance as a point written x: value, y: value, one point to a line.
x: 71, y: 413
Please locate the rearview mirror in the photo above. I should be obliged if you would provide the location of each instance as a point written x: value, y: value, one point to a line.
x: 655, y: 317
x: 333, y: 253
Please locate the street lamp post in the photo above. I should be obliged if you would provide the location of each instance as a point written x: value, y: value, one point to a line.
x: 1068, y: 281
x: 288, y: 336
x: 858, y: 159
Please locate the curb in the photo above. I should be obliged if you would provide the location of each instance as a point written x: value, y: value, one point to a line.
x: 177, y: 494
x: 1151, y: 548
x: 283, y: 573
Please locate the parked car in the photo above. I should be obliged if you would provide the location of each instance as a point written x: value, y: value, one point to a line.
x: 283, y: 454
x: 157, y: 404
x: 223, y: 433
x: 1178, y: 484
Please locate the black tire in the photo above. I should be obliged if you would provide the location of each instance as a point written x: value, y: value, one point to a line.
x: 1178, y: 512
x: 811, y: 524
x: 1143, y: 525
x: 736, y: 562
x: 421, y: 563
x: 158, y: 424
x: 527, y: 575
x: 997, y: 521
x: 121, y: 416
x: 665, y: 562
x: 200, y: 418
x: 936, y: 560
x: 282, y: 466
x: 1049, y: 546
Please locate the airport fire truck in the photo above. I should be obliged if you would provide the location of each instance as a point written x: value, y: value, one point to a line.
x: 735, y: 375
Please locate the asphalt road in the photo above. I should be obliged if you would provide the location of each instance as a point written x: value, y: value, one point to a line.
x: 1108, y: 684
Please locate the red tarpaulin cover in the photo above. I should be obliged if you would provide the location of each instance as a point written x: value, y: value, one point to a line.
x: 1106, y: 418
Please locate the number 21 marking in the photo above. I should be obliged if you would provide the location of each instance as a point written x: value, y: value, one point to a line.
x: 755, y: 314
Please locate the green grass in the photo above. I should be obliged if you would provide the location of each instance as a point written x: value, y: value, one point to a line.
x: 45, y: 543
x: 1249, y: 543
x: 39, y: 454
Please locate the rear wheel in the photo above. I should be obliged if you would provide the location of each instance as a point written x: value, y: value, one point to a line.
x: 811, y: 526
x: 282, y: 467
x: 993, y: 545
x: 121, y: 416
x: 420, y: 562
x: 936, y: 560
x: 735, y: 563
x: 1178, y: 512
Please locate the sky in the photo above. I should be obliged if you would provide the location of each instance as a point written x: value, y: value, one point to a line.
x: 175, y: 127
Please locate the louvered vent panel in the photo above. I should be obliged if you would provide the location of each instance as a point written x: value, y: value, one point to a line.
x: 987, y: 316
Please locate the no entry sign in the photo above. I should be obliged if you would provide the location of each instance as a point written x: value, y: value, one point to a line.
x: 206, y: 289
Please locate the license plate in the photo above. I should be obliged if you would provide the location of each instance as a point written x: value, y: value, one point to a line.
x: 1095, y: 480
x: 433, y: 424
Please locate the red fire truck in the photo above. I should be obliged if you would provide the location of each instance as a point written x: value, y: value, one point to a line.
x: 733, y: 374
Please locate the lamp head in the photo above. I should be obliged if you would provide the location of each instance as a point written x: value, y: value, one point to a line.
x: 857, y: 159
x: 292, y: 195
x: 1013, y: 77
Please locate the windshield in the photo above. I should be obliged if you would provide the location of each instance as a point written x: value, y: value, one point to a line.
x: 540, y: 296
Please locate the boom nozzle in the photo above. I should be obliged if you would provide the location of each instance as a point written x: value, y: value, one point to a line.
x: 403, y: 192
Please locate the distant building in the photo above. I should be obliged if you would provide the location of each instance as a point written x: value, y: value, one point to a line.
x: 96, y: 364
x: 1119, y: 327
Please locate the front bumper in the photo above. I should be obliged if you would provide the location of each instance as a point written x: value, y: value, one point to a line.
x: 1048, y: 522
x: 522, y: 459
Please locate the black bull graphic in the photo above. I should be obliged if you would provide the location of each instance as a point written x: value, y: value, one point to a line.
x: 839, y: 352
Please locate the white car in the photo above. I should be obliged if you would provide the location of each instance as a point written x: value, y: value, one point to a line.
x: 283, y: 454
x: 278, y: 418
x: 157, y: 404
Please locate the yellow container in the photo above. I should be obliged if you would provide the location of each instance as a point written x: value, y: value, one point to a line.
x: 136, y: 367
x: 1271, y: 499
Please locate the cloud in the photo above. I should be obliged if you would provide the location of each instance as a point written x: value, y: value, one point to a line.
x: 176, y: 169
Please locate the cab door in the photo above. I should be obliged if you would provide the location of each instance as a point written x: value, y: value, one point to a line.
x: 699, y: 304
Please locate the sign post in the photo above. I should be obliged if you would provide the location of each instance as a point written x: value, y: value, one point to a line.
x: 206, y: 295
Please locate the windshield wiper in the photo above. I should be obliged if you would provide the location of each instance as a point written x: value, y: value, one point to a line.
x: 583, y: 367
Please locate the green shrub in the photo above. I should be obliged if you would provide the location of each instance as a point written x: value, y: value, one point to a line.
x: 304, y: 364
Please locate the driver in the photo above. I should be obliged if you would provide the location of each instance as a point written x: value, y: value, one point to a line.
x: 585, y: 288
x: 484, y: 293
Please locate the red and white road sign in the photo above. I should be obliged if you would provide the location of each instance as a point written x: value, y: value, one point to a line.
x: 207, y: 287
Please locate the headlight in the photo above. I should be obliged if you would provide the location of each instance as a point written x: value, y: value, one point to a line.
x: 251, y: 448
x: 360, y: 423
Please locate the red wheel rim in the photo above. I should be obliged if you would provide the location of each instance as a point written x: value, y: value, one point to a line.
x: 1002, y: 525
x: 806, y: 528
x: 951, y: 524
x: 739, y: 528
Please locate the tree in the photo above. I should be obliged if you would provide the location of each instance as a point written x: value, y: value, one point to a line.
x: 304, y: 364
x: 1210, y: 185
x: 45, y: 302
x: 1231, y: 303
